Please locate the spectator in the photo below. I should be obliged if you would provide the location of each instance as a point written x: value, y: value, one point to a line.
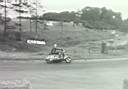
x: 103, y: 47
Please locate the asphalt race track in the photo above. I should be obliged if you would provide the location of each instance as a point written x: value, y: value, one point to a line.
x: 77, y: 75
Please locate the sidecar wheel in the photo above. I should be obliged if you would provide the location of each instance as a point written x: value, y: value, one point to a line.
x: 68, y: 60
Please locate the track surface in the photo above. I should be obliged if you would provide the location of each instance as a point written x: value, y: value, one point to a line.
x: 77, y: 75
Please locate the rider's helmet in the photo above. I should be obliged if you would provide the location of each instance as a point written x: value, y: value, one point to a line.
x: 55, y: 45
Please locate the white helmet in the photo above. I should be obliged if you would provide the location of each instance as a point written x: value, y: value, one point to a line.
x: 55, y: 45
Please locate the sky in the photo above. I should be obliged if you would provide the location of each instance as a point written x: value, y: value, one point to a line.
x: 74, y: 5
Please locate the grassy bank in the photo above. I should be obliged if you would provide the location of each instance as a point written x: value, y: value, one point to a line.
x: 75, y: 40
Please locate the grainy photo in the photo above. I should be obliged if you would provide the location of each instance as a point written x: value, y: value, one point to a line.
x: 63, y: 44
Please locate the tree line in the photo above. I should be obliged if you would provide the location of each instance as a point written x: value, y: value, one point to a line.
x: 91, y: 17
x: 20, y: 8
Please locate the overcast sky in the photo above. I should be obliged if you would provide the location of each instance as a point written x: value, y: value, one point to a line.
x: 74, y: 5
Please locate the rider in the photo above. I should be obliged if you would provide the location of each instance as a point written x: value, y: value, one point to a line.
x: 53, y: 51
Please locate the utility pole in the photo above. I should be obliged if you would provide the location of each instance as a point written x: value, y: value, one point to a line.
x: 20, y: 16
x: 5, y: 19
x: 36, y: 17
x: 20, y: 29
x: 30, y: 26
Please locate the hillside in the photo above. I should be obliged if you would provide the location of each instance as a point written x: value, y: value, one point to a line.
x: 68, y: 36
x: 75, y: 40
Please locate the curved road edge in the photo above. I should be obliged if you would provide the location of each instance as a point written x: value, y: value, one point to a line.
x: 73, y: 61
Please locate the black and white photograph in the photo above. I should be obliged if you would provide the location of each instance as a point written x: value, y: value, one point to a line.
x: 63, y: 44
